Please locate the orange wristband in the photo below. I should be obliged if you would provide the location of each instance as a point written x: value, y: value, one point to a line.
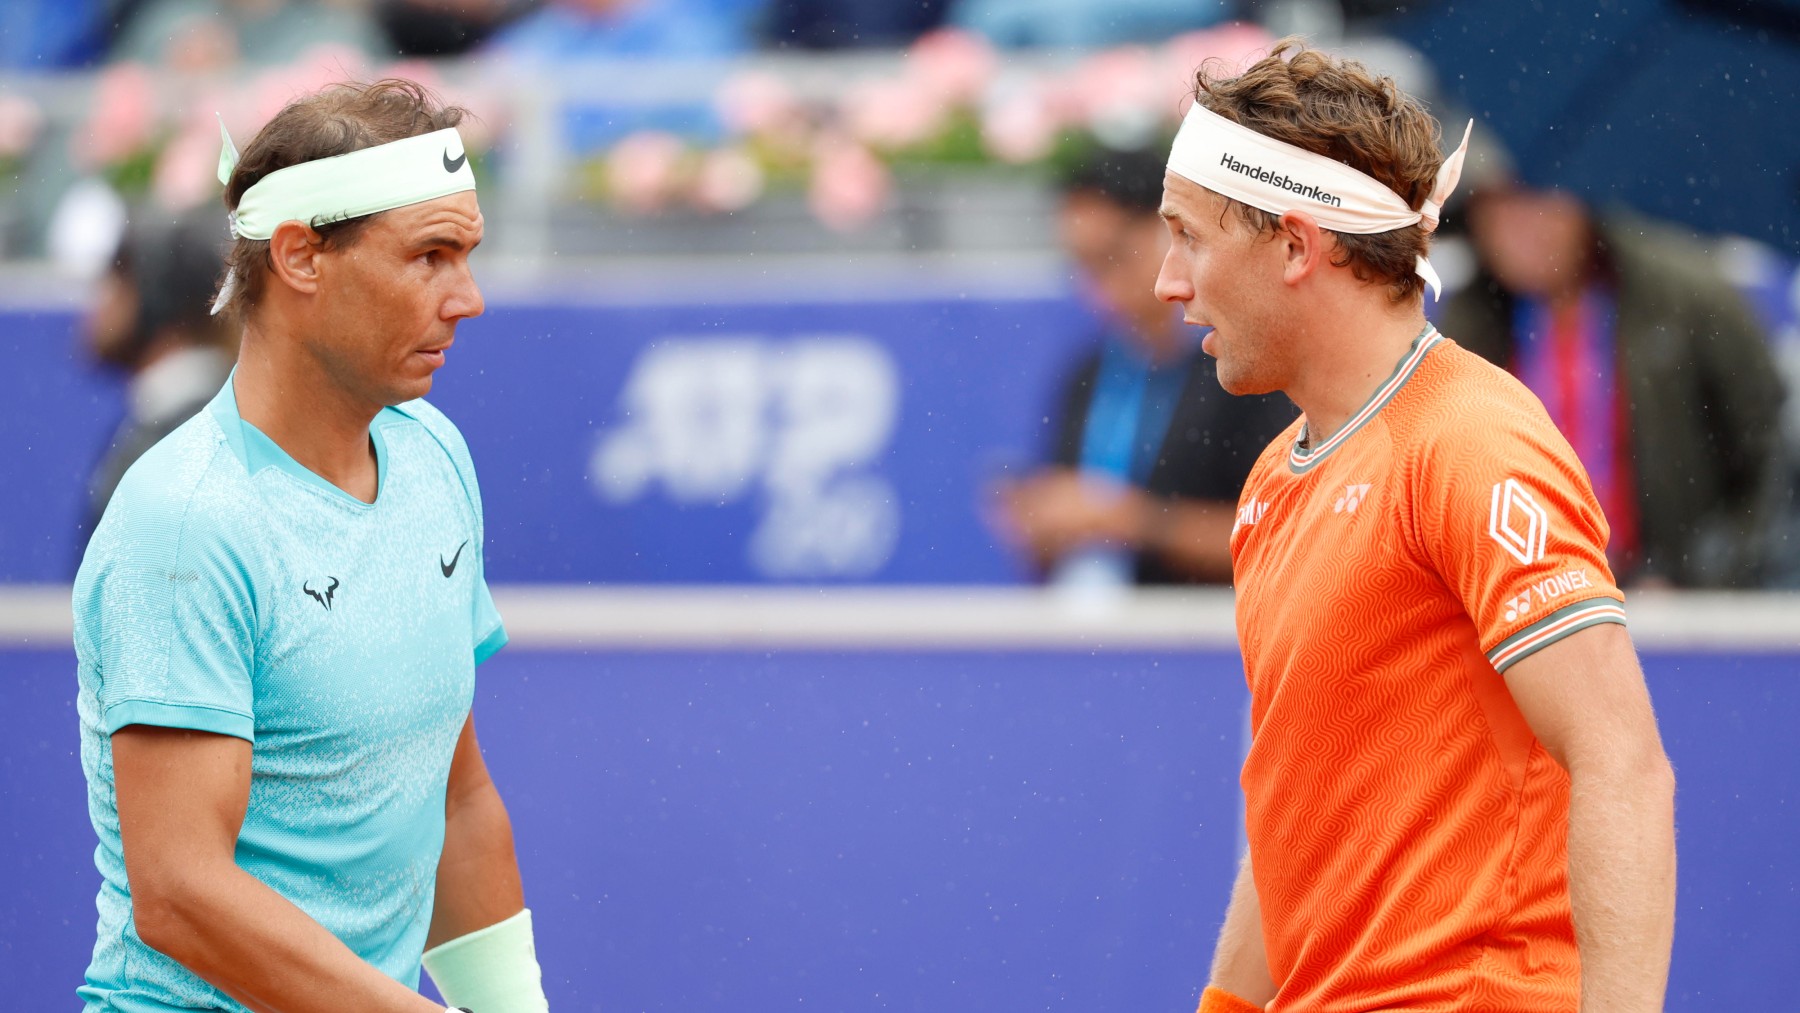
x: 1217, y: 1000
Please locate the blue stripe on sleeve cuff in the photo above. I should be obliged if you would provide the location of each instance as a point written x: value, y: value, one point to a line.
x: 174, y: 715
x: 490, y: 644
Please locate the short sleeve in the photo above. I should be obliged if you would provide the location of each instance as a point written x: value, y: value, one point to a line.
x: 487, y: 631
x: 165, y: 617
x: 1504, y: 513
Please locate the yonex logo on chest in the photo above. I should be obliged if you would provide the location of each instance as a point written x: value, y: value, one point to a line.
x: 1351, y: 499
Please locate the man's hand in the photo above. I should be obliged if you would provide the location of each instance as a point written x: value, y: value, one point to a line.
x: 182, y: 796
x: 1056, y: 511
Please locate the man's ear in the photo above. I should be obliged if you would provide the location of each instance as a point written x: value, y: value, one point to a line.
x: 294, y: 254
x: 1304, y: 247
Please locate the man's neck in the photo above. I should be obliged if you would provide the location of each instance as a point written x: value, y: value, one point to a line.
x: 1346, y: 360
x: 286, y: 393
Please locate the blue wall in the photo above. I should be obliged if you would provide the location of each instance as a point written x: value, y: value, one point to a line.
x: 806, y: 441
x: 663, y: 443
x: 913, y: 830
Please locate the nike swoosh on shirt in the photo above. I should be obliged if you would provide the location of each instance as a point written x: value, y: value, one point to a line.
x: 450, y: 567
x: 451, y: 165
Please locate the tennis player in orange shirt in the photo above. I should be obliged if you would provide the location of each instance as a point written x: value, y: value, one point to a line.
x: 1456, y: 795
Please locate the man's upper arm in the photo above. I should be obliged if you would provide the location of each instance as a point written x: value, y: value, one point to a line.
x: 1505, y: 516
x: 182, y: 795
x: 1585, y: 699
x: 165, y: 611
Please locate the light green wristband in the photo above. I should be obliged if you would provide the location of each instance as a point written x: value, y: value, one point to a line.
x: 491, y: 970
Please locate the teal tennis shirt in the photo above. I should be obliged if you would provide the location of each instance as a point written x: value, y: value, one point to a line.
x: 227, y: 589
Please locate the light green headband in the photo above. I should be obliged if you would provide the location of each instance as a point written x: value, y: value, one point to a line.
x: 362, y: 182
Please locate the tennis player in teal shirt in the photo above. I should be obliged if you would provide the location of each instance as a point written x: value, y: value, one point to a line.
x: 279, y: 617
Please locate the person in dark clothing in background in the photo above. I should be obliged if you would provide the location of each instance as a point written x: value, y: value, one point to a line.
x: 1149, y: 452
x: 152, y: 319
x: 1650, y: 363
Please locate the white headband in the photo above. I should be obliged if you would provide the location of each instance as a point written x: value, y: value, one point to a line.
x: 362, y: 182
x: 1232, y: 160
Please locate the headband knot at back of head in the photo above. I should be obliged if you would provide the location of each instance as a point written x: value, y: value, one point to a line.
x: 366, y: 181
x: 1234, y: 161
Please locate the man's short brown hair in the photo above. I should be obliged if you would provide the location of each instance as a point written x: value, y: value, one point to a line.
x: 1339, y: 109
x: 336, y: 121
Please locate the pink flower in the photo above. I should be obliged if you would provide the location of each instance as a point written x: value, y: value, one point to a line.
x: 20, y: 121
x: 123, y: 119
x: 642, y: 170
x: 1123, y: 98
x: 849, y: 185
x: 309, y: 72
x: 728, y: 180
x: 186, y: 174
x: 892, y: 113
x: 1020, y: 128
x: 1114, y: 80
x: 1236, y: 45
x: 757, y: 102
x: 954, y: 65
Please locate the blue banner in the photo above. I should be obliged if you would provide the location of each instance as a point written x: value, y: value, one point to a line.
x: 649, y: 444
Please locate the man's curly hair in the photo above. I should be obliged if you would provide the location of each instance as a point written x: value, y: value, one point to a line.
x: 1339, y: 109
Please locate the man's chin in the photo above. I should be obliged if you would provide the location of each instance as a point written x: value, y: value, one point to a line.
x: 410, y: 389
x: 1242, y: 385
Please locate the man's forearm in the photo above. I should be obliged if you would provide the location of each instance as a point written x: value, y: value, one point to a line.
x: 1192, y: 536
x: 1240, y: 964
x: 478, y: 875
x: 1622, y: 883
x: 255, y: 945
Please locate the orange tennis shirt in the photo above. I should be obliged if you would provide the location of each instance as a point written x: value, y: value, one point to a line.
x: 1408, y: 833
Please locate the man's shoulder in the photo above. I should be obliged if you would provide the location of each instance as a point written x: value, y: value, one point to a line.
x: 189, y: 496
x: 192, y: 467
x: 1460, y: 399
x: 442, y: 434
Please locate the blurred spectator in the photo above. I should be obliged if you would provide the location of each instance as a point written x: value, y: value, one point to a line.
x: 152, y: 319
x: 1083, y: 24
x: 212, y: 35
x: 1150, y: 452
x: 42, y: 35
x: 446, y: 27
x: 844, y: 24
x: 564, y: 34
x: 1650, y: 363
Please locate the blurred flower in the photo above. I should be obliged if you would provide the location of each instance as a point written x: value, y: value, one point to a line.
x: 309, y: 72
x: 728, y: 180
x: 1125, y: 97
x: 642, y: 170
x: 850, y: 185
x: 757, y: 102
x: 892, y: 114
x: 186, y: 174
x: 1020, y: 128
x: 122, y: 119
x: 20, y: 122
x: 955, y: 66
x: 1236, y: 45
